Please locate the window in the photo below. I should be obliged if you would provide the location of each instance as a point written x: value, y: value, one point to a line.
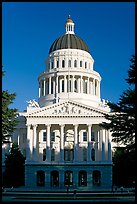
x: 93, y: 154
x: 54, y: 178
x: 68, y: 178
x: 96, y: 178
x: 51, y: 87
x: 75, y: 86
x: 75, y: 63
x: 84, y: 136
x: 52, y: 65
x: 53, y: 136
x: 40, y: 178
x: 63, y: 63
x: 69, y: 63
x: 80, y: 63
x: 44, y: 154
x: 53, y: 155
x: 68, y: 154
x: 92, y: 136
x: 57, y: 63
x: 85, y: 64
x: 84, y: 154
x: 42, y: 88
x: 82, y: 178
x: 62, y: 85
x: 84, y: 86
x: 44, y: 136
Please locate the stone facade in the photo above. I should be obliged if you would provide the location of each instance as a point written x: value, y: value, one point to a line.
x: 60, y: 135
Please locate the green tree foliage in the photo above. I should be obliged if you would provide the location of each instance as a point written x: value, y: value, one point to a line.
x: 122, y: 117
x: 14, y: 168
x: 123, y: 167
x: 9, y: 120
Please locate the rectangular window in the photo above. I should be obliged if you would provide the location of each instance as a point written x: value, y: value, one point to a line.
x: 68, y: 154
x: 92, y: 136
x: 44, y: 136
x: 84, y: 136
x: 53, y: 155
x: 44, y: 154
x: 84, y: 154
x: 62, y: 85
x: 53, y: 136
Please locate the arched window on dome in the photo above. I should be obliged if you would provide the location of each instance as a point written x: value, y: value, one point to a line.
x: 63, y: 63
x: 75, y: 86
x: 42, y: 88
x: 69, y: 63
x: 80, y: 63
x: 75, y: 63
x: 62, y: 85
x: 52, y: 65
x: 85, y: 64
x: 57, y: 63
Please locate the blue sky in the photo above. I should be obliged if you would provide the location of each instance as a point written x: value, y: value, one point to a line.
x: 29, y: 29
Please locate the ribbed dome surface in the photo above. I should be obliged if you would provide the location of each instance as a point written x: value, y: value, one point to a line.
x: 69, y: 41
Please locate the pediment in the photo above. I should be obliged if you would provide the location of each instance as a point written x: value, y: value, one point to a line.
x: 68, y: 108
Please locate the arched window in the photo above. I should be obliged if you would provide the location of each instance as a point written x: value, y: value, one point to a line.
x: 52, y: 154
x: 75, y: 63
x: 69, y: 63
x: 68, y: 178
x: 62, y: 85
x: 93, y: 154
x: 80, y: 63
x: 96, y: 178
x: 52, y: 65
x: 44, y: 154
x: 54, y: 178
x: 40, y: 178
x: 42, y: 88
x: 85, y: 64
x: 75, y: 86
x: 57, y: 63
x: 63, y: 63
x: 82, y: 178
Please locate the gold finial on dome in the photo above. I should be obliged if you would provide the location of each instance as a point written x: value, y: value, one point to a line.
x: 69, y: 20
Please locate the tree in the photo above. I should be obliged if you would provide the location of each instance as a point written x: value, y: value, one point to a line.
x: 9, y: 120
x: 14, y: 168
x: 122, y: 117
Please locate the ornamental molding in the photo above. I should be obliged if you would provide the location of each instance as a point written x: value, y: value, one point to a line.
x: 66, y: 109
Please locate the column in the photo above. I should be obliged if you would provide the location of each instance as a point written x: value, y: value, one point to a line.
x: 81, y: 84
x: 88, y: 86
x: 89, y: 142
x: 56, y: 91
x: 28, y: 152
x: 65, y: 84
x: 39, y: 90
x: 44, y: 86
x: 48, y: 150
x: 53, y: 87
x: 99, y: 88
x: 78, y: 85
x: 49, y: 85
x: 103, y: 144
x: 34, y: 142
x: 62, y: 142
x: 93, y: 87
x: 100, y: 145
x: 75, y: 142
x: 72, y: 83
x: 109, y: 147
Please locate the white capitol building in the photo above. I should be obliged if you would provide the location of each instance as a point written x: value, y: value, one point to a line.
x: 60, y: 134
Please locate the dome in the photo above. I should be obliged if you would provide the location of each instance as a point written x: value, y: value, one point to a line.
x: 69, y: 41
